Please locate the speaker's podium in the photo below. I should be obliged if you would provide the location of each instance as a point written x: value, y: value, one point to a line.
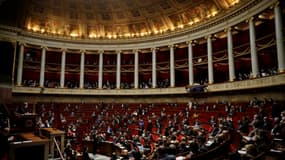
x: 26, y: 144
x: 26, y: 122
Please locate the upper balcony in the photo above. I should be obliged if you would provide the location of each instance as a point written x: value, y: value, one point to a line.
x: 270, y: 81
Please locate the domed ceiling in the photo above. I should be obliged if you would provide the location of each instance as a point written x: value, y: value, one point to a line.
x: 109, y: 18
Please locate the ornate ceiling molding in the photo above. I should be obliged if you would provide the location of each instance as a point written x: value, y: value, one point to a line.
x: 219, y: 23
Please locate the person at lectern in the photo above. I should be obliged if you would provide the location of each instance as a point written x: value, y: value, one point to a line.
x: 23, y: 109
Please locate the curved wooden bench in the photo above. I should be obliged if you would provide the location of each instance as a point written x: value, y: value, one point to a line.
x: 216, y: 152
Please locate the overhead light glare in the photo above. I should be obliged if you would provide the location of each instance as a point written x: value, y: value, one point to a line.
x: 214, y: 13
x: 73, y: 34
x: 196, y: 20
x: 191, y: 22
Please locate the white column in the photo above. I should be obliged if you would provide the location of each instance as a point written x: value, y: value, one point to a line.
x: 153, y: 67
x: 62, y: 71
x: 210, y: 60
x: 118, y: 75
x: 136, y: 74
x: 81, y: 82
x: 20, y: 65
x: 190, y: 63
x: 43, y: 64
x: 279, y: 38
x: 172, y: 66
x: 253, y: 53
x: 230, y: 55
x: 100, y: 74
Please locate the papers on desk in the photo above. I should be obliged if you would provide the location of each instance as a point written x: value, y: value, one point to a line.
x: 180, y: 158
x: 28, y: 113
x: 275, y: 151
x: 247, y: 138
x: 278, y: 139
x: 242, y: 151
x: 11, y: 138
x: 209, y: 143
x: 21, y: 142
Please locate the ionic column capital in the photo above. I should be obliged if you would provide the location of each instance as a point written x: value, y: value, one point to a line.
x: 277, y: 3
x: 173, y: 46
x: 100, y: 51
x: 249, y: 19
x: 22, y: 43
x: 135, y: 50
x: 63, y: 49
x: 228, y: 29
x: 190, y: 42
x: 208, y: 36
x: 154, y: 49
x: 44, y: 47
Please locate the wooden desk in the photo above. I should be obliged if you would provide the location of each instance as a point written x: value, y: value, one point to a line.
x: 29, y: 146
x: 52, y: 133
x: 104, y: 148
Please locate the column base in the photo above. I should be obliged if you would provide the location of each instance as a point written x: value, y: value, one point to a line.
x: 210, y: 82
x: 281, y: 70
x: 231, y: 80
x: 42, y: 89
x: 190, y: 84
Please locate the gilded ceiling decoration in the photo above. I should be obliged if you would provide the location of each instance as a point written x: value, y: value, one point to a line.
x: 117, y: 18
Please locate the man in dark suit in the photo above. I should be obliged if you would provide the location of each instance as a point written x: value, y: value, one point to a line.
x: 22, y: 109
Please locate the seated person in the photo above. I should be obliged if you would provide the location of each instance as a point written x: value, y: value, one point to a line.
x: 278, y: 134
x: 217, y: 129
x: 194, y: 149
x: 68, y: 151
x: 251, y: 151
x: 85, y: 154
x: 125, y: 154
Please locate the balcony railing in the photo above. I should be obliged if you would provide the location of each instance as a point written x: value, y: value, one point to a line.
x: 270, y: 81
